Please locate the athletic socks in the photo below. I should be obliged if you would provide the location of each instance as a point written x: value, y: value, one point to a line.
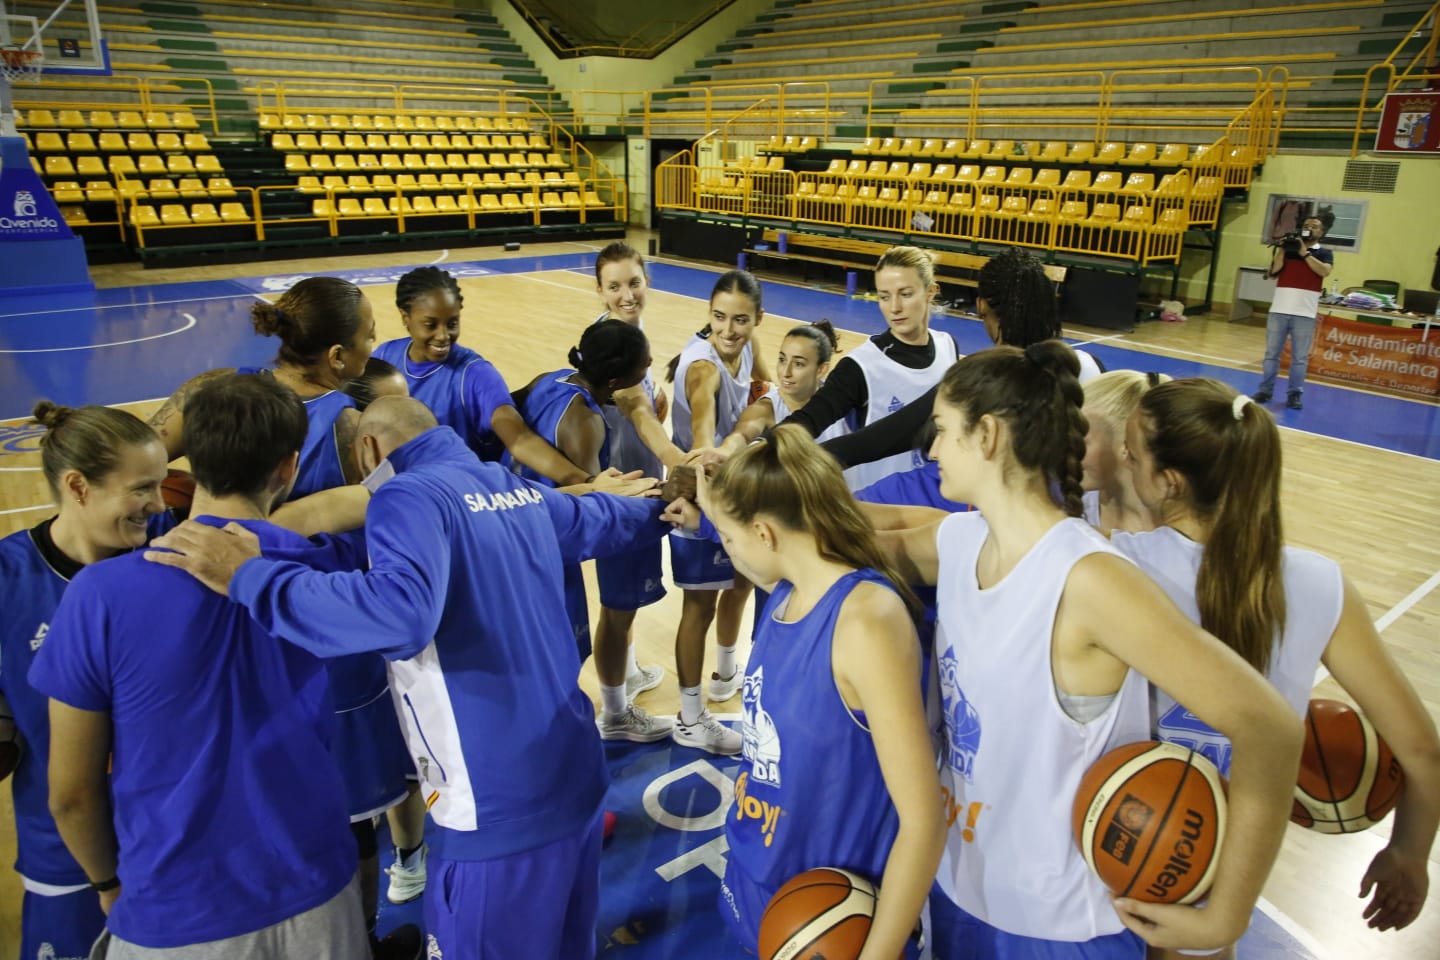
x: 612, y: 699
x: 724, y: 662
x: 691, y: 706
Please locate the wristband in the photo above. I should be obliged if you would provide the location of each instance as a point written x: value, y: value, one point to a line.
x: 105, y: 886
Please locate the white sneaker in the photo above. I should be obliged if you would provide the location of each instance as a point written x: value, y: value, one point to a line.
x: 707, y: 734
x: 634, y: 725
x: 721, y: 690
x: 407, y: 877
x: 646, y: 678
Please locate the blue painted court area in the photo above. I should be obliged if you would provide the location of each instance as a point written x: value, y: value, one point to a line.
x: 137, y: 343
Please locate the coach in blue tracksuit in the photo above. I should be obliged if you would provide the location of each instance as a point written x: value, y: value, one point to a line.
x: 465, y: 596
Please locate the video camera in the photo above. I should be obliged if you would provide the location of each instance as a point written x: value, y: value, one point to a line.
x: 1292, y: 243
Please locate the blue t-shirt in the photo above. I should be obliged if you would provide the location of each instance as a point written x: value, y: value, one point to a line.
x: 809, y: 793
x: 229, y: 813
x: 464, y: 595
x: 917, y: 488
x: 544, y: 408
x: 34, y: 575
x: 320, y: 462
x: 463, y: 391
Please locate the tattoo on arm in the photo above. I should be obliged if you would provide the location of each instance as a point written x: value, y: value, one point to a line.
x: 168, y: 420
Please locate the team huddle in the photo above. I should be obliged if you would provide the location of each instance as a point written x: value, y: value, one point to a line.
x: 973, y: 576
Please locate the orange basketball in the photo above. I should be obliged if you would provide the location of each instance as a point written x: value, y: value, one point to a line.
x: 178, y: 490
x: 1149, y: 818
x: 1349, y: 779
x: 823, y: 913
x: 758, y: 389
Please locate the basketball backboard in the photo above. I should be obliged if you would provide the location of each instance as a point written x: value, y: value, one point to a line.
x: 65, y: 32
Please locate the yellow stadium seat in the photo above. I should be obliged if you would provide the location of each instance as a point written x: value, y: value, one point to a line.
x: 423, y: 122
x: 270, y: 121
x: 382, y: 182
x: 439, y: 141
x: 406, y: 181
x: 1049, y: 177
x: 446, y: 204
x: 490, y: 203
x: 1019, y: 176
x: 376, y: 141
x: 155, y: 120
x: 1110, y: 152
x: 122, y: 164
x: 168, y: 142
x: 97, y: 191
x: 112, y: 142
x: 296, y: 162
x: 376, y: 207
x: 1106, y: 180
x: 1172, y: 155
x: 204, y: 213
x: 67, y: 191
x: 1140, y: 154
x: 80, y: 142
x: 162, y: 188
x: 465, y: 123
x: 571, y: 199
x: 321, y: 208
x: 1104, y: 215
x: 592, y: 199
x: 339, y: 121
x: 322, y: 162
x: 391, y: 161
x: 180, y: 164
x: 1054, y: 150
x: 282, y: 142
x: 361, y: 121
x: 130, y: 120
x: 184, y: 120
x: 74, y: 214
x: 151, y: 164
x: 343, y: 161
x: 335, y: 184
x: 101, y: 119
x: 510, y: 203
x: 382, y: 122
x: 234, y: 213
x: 220, y: 187
x: 967, y: 173
x: 292, y: 121
x: 331, y: 142
x: 49, y: 143
x: 309, y: 185
x: 71, y: 118
x: 413, y: 161
x: 1074, y: 210
x: 307, y: 143
x: 1042, y: 209
x: 899, y: 169
x: 942, y: 171
x: 174, y: 214
x: 1076, y: 180
x: 993, y: 175
x: 350, y: 207
x: 1082, y: 152
x: 59, y: 167
x: 313, y: 121
x: 143, y: 215
x: 999, y: 150
x: 424, y: 205
x: 1140, y: 182
x: 357, y: 184
x: 400, y: 205
x: 193, y: 187
x: 919, y: 171
x: 140, y: 143
x: 367, y: 161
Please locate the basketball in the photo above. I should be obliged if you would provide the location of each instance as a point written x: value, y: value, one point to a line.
x: 823, y: 913
x: 1349, y: 779
x: 177, y: 490
x: 1149, y: 818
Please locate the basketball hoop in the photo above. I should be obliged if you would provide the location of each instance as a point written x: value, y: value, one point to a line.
x: 20, y: 65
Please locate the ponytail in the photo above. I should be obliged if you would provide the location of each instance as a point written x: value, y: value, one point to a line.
x: 1228, y: 450
x: 822, y: 334
x: 792, y: 481
x: 1037, y: 392
x: 92, y: 440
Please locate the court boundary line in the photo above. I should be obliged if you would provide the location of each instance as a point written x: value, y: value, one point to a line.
x: 1292, y: 927
x: 1394, y: 613
x: 116, y: 343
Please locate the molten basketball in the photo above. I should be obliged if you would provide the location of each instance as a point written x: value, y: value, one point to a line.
x: 822, y: 913
x: 1349, y: 779
x: 758, y: 389
x: 177, y: 490
x: 1149, y: 818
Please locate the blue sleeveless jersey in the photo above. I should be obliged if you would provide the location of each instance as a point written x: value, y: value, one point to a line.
x: 463, y: 392
x: 543, y: 410
x: 319, y: 457
x: 809, y: 793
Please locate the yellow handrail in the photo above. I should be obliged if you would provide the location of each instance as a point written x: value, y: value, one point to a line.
x: 1425, y: 58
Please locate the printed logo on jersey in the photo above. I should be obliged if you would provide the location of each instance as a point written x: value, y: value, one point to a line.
x: 895, y: 404
x: 760, y: 741
x: 504, y: 500
x: 962, y: 721
x: 40, y: 635
x: 432, y: 948
x: 1125, y: 828
x: 1179, y: 726
x: 747, y: 807
x: 47, y: 952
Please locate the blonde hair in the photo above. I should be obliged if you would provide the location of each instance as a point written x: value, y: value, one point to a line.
x: 89, y: 439
x: 791, y: 481
x: 1112, y: 397
x: 912, y: 258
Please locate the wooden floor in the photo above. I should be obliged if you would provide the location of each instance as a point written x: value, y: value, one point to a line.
x: 1375, y: 511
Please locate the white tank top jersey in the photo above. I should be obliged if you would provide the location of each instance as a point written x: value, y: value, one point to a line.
x: 837, y: 429
x: 1013, y: 759
x: 1314, y: 597
x: 627, y: 451
x: 890, y: 386
x: 730, y: 401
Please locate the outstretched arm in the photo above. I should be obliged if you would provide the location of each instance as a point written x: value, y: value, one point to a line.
x: 885, y: 437
x: 702, y: 382
x: 634, y: 402
x: 528, y: 447
x: 1361, y: 664
x: 169, y: 420
x: 755, y: 420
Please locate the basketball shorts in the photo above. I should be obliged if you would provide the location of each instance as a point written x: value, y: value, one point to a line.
x: 64, y: 926
x: 374, y: 762
x: 541, y: 904
x: 700, y: 564
x: 959, y: 936
x: 577, y: 609
x: 631, y: 580
x: 743, y: 903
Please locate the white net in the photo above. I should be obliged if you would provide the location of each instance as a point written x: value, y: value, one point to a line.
x: 20, y: 65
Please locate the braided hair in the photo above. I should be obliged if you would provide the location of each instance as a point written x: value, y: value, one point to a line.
x: 1021, y: 297
x: 423, y: 280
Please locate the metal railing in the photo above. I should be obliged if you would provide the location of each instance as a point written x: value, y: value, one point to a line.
x: 1424, y: 64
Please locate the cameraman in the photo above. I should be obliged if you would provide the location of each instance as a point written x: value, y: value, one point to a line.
x: 1298, y: 263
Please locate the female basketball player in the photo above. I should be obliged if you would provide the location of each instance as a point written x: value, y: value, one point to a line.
x: 1110, y: 500
x: 564, y: 407
x: 1206, y: 461
x: 380, y: 379
x: 104, y: 468
x: 712, y: 383
x: 890, y: 369
x: 462, y: 388
x: 1016, y: 302
x: 835, y: 742
x: 801, y: 368
x: 326, y: 332
x: 638, y: 441
x: 1045, y: 638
